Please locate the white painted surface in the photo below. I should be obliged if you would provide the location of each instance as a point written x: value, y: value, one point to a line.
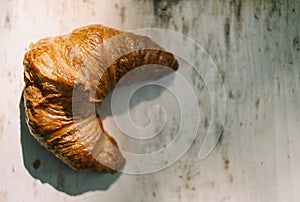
x: 255, y: 48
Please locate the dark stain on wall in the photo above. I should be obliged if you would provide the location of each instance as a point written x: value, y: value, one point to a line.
x: 257, y: 9
x: 122, y: 14
x: 272, y: 10
x: 7, y: 22
x: 185, y: 27
x: 234, y: 95
x: 163, y: 10
x: 257, y: 107
x: 210, y: 43
x: 220, y: 140
x: 236, y: 9
x: 278, y: 89
x: 274, y: 7
x: 206, y: 123
x: 257, y: 104
x: 226, y: 162
x: 230, y: 178
x: 296, y: 44
x: 230, y: 95
x: 235, y: 16
x: 227, y: 33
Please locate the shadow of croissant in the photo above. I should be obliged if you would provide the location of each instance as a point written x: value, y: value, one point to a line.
x: 44, y: 166
x: 143, y: 91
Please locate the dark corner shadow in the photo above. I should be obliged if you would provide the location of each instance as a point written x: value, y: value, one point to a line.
x: 44, y: 166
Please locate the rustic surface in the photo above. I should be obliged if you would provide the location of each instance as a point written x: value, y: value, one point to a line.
x: 256, y: 48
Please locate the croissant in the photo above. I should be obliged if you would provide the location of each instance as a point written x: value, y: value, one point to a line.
x: 53, y: 70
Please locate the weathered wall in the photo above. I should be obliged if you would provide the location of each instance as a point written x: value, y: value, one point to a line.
x: 255, y: 46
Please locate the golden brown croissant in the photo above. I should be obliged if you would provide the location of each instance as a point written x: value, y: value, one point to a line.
x: 53, y: 69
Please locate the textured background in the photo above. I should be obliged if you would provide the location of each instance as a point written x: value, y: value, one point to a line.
x: 255, y: 45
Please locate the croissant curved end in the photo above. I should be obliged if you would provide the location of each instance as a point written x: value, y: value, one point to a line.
x: 53, y: 69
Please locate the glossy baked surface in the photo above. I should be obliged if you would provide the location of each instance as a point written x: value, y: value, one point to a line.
x: 89, y: 61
